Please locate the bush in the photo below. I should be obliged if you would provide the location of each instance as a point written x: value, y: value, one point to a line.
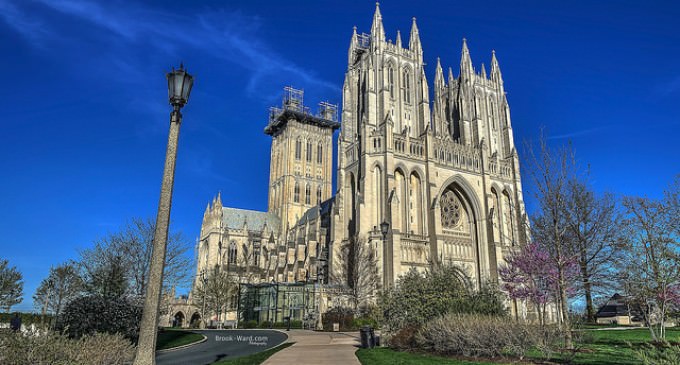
x: 56, y: 349
x: 418, y: 298
x: 481, y: 336
x: 404, y: 339
x: 663, y: 354
x: 248, y: 324
x: 90, y: 314
x: 343, y: 316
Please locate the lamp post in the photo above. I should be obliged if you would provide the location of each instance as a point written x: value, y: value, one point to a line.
x: 179, y: 87
x: 387, y: 252
x: 204, y: 279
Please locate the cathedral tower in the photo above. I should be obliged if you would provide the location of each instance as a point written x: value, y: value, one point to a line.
x: 300, y: 171
x: 446, y: 180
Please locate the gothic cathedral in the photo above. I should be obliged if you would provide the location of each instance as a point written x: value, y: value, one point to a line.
x: 441, y: 177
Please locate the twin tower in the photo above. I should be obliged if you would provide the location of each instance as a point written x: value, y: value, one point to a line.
x: 442, y: 173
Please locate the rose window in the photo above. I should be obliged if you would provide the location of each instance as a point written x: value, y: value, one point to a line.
x: 450, y: 209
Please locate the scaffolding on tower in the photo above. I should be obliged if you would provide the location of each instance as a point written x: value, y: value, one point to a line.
x: 293, y: 106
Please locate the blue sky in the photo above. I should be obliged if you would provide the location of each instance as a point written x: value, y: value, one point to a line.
x: 85, y: 113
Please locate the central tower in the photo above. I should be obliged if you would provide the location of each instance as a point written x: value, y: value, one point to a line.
x: 300, y: 171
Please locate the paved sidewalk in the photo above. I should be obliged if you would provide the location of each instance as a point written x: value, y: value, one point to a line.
x: 314, y: 348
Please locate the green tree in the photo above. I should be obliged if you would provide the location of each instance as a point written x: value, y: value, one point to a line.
x: 130, y: 248
x: 11, y: 286
x: 62, y: 285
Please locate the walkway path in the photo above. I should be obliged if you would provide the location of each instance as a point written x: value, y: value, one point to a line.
x: 222, y: 344
x: 314, y: 348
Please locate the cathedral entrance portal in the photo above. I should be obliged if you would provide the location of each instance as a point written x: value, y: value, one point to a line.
x: 458, y: 237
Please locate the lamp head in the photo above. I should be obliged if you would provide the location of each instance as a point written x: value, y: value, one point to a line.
x: 384, y: 228
x: 179, y: 86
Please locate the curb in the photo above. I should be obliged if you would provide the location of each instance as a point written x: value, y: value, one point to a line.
x: 205, y: 338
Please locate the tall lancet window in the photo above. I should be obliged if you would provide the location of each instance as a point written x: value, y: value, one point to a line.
x: 298, y: 149
x: 309, y: 151
x: 233, y: 251
x: 407, y: 87
x: 319, y: 153
x: 308, y: 193
x: 390, y: 81
x: 296, y: 193
x: 318, y: 195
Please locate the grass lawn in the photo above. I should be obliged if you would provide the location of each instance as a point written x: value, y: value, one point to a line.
x: 173, y: 338
x: 391, y: 357
x: 254, y: 359
x: 604, y: 347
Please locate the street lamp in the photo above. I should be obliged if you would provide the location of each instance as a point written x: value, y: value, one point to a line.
x: 179, y: 87
x: 204, y: 279
x: 384, y: 228
x: 387, y: 253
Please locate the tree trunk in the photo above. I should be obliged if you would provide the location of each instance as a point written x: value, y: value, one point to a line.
x: 588, y: 291
x: 568, y: 341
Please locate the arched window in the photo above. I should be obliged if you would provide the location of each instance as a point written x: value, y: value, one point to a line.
x: 233, y: 252
x: 298, y: 149
x: 308, y: 193
x: 390, y: 81
x: 319, y: 153
x: 318, y: 195
x: 407, y: 87
x: 309, y: 151
x: 296, y: 193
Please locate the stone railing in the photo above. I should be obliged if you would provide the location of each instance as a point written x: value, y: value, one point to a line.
x: 414, y: 248
x: 450, y: 153
x: 409, y: 147
x: 500, y: 168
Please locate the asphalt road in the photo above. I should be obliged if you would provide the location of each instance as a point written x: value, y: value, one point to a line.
x: 222, y: 344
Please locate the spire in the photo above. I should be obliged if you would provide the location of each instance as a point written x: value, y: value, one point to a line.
x: 483, y: 72
x: 451, y: 75
x: 398, y: 39
x: 353, y: 43
x: 414, y: 39
x: 439, y: 87
x: 495, y: 69
x: 438, y: 76
x: 377, y: 30
x: 465, y: 61
x: 218, y: 202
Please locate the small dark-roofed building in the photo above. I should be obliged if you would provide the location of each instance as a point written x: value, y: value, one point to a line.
x: 619, y: 310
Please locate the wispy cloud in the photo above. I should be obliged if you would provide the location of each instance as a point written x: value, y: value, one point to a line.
x: 228, y: 35
x: 580, y: 133
x: 30, y: 27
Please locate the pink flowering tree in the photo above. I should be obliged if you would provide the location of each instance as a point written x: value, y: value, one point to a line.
x: 530, y: 274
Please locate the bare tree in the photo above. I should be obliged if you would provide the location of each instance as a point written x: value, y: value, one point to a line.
x: 11, y: 286
x: 651, y: 269
x: 133, y: 245
x: 594, y: 225
x: 217, y: 292
x: 61, y: 285
x: 358, y: 271
x: 552, y: 171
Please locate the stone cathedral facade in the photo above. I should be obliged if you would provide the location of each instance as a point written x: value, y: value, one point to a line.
x: 439, y: 166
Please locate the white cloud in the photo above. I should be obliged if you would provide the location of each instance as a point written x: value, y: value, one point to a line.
x: 228, y: 35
